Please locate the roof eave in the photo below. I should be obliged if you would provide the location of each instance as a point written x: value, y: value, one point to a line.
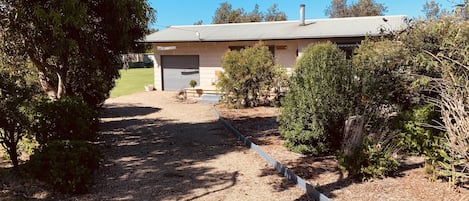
x: 262, y: 39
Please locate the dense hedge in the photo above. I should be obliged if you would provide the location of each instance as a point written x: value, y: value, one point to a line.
x: 316, y: 104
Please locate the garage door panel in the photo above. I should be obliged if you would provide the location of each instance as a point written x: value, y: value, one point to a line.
x: 179, y: 70
x: 175, y: 79
x: 181, y: 61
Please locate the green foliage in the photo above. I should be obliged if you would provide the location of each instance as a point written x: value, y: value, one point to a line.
x: 451, y: 166
x: 66, y: 165
x: 371, y: 160
x: 340, y: 8
x: 317, y: 102
x: 15, y: 95
x: 226, y: 14
x: 416, y: 136
x: 248, y: 76
x: 432, y: 10
x: 193, y: 83
x: 67, y: 118
x: 382, y: 76
x: 75, y: 45
x: 440, y: 54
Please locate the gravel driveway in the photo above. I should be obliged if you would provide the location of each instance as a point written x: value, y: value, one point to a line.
x: 157, y: 148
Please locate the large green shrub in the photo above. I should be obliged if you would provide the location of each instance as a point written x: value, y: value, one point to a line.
x: 383, y: 82
x: 441, y: 56
x: 66, y: 165
x: 68, y: 118
x: 318, y: 100
x: 248, y: 76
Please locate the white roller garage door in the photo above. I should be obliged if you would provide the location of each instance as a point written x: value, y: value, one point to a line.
x: 179, y: 70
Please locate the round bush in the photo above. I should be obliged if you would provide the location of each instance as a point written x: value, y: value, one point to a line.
x: 248, y: 76
x: 67, y: 118
x: 66, y: 165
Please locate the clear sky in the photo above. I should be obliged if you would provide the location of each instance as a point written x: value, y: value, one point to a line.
x: 187, y: 12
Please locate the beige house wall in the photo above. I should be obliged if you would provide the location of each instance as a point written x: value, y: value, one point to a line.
x: 210, y: 55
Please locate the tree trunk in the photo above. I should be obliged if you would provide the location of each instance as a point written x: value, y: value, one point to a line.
x: 61, y: 92
x: 11, y: 143
x: 353, y: 134
x: 45, y: 82
x: 46, y: 86
x: 13, y: 153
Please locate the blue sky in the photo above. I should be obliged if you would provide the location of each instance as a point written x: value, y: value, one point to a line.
x: 187, y: 12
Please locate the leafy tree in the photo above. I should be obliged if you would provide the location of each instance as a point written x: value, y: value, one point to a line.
x: 440, y: 56
x: 367, y: 8
x: 226, y: 14
x: 75, y: 44
x: 317, y: 102
x: 431, y: 9
x: 340, y: 8
x: 15, y: 95
x: 248, y: 76
x: 255, y: 15
x: 427, y: 62
x: 273, y: 14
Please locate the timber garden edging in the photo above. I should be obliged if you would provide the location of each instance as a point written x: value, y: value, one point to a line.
x: 282, y: 169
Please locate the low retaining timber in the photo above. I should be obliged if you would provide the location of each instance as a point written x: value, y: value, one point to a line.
x: 282, y: 169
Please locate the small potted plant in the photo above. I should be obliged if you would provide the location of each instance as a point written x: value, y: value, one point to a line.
x: 192, y: 83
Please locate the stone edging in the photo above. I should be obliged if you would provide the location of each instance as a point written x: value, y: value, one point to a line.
x: 289, y: 174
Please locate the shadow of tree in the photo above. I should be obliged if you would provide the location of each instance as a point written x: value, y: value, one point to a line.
x: 153, y: 159
x: 260, y: 130
x: 159, y: 156
x: 163, y: 159
x: 113, y: 110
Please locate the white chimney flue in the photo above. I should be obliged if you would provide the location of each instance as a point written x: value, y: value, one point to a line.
x: 302, y: 14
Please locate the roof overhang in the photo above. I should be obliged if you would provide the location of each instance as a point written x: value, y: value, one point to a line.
x: 282, y: 30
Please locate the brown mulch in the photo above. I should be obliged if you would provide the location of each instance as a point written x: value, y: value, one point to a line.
x: 410, y: 183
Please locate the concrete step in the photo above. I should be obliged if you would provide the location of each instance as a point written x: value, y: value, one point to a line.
x: 210, y: 98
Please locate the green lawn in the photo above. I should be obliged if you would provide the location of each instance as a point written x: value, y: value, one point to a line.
x: 132, y: 80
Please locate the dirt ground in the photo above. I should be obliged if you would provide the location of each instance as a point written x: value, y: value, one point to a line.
x: 260, y: 126
x: 158, y: 148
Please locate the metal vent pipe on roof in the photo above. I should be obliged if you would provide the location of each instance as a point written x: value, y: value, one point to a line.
x: 302, y: 14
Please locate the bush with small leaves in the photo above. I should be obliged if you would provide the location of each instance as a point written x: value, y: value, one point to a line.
x: 318, y: 100
x: 371, y: 160
x: 248, y: 76
x: 68, y: 166
x: 68, y: 118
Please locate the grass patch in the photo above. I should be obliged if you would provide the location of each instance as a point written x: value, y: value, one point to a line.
x: 132, y: 81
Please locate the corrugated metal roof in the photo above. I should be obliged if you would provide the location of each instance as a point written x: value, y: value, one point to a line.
x: 318, y: 28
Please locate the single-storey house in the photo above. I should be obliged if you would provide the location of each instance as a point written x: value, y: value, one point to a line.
x: 194, y: 52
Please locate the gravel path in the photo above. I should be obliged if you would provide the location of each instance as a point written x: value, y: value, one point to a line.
x: 157, y: 148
